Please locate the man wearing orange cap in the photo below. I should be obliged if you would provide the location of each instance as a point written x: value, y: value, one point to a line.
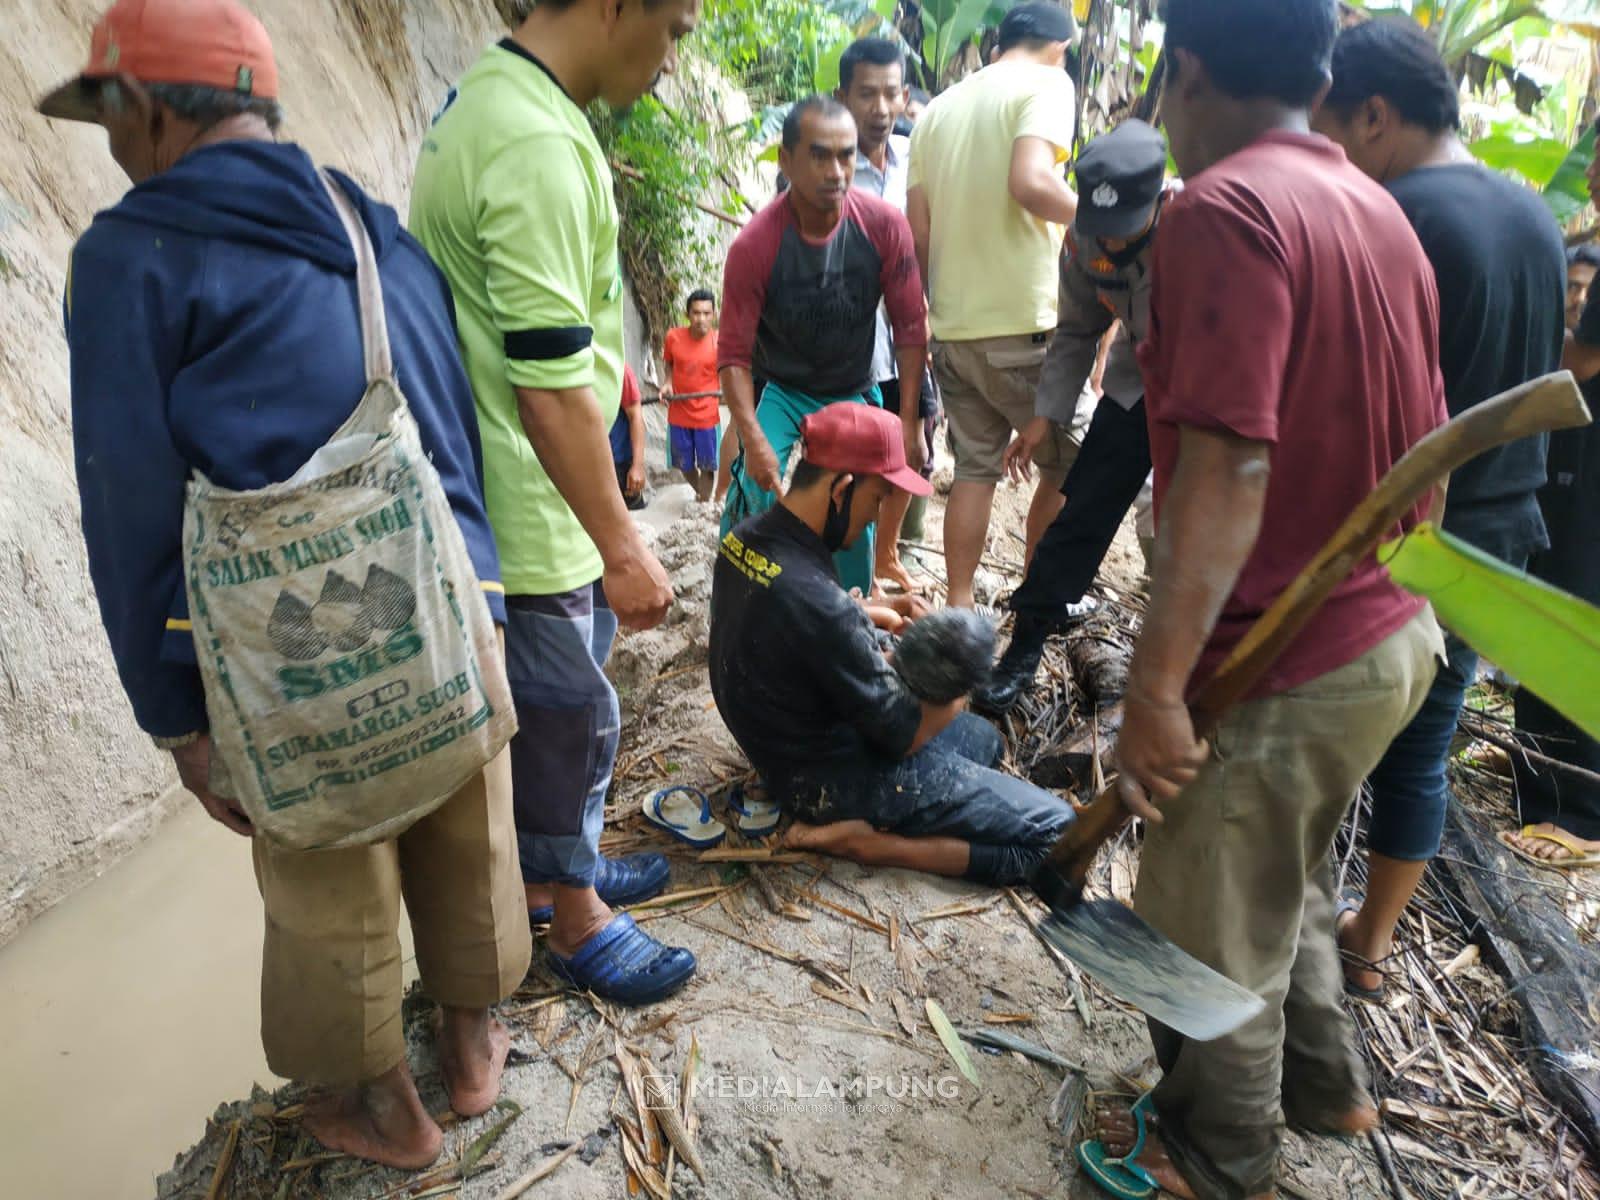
x: 214, y: 327
x: 869, y: 771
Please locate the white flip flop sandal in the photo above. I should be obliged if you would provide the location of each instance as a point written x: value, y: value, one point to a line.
x: 753, y: 818
x: 685, y: 813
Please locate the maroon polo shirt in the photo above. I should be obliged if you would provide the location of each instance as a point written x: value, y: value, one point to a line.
x: 1293, y: 305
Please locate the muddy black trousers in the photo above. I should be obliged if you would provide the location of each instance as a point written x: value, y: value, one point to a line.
x: 949, y: 788
x: 1100, y: 488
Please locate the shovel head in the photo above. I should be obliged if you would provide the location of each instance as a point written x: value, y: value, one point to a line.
x: 1140, y: 966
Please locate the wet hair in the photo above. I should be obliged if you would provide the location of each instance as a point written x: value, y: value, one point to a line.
x: 826, y: 108
x: 869, y: 52
x: 1587, y: 255
x: 1395, y: 59
x: 1272, y: 49
x: 700, y: 296
x: 205, y: 106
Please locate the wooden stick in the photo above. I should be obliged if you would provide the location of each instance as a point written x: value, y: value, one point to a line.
x: 1549, y: 403
x: 224, y: 1162
x: 1481, y: 731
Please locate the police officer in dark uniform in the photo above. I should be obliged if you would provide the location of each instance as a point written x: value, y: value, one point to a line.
x: 1105, y: 278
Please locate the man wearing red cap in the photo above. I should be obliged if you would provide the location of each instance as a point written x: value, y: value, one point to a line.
x: 869, y: 771
x: 213, y: 323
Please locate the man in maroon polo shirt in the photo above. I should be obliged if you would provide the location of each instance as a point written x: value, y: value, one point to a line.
x: 1276, y: 404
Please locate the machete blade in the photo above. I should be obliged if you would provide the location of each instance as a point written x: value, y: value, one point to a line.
x: 1140, y: 966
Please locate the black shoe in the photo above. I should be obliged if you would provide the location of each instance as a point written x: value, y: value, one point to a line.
x: 1013, y: 674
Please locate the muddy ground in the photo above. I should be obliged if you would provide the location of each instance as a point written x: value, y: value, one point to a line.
x: 787, y: 1011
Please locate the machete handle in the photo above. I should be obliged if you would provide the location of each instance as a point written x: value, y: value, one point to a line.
x: 1541, y: 405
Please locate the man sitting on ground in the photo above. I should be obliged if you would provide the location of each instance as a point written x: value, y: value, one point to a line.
x: 800, y: 299
x: 870, y: 772
x: 693, y: 411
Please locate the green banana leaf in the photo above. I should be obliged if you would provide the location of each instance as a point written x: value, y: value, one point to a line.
x: 1549, y: 640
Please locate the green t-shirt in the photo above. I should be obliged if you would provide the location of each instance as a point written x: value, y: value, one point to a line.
x: 513, y: 200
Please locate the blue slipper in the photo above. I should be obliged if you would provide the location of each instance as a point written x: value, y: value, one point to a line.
x: 625, y: 964
x: 1119, y: 1175
x: 620, y: 882
x: 754, y: 818
x: 685, y: 813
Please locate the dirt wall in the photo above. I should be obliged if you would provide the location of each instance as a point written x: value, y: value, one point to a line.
x: 78, y: 781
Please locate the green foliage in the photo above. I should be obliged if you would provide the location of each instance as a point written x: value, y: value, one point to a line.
x: 778, y: 50
x: 665, y: 250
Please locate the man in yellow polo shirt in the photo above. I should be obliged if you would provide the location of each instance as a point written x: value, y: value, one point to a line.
x: 513, y: 199
x: 989, y: 205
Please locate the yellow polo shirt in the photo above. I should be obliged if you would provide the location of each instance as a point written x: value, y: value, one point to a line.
x: 993, y: 266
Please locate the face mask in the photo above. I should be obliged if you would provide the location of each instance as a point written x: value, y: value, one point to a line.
x: 836, y: 527
x: 1130, y: 252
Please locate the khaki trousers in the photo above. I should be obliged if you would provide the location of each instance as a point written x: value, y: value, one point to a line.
x: 1238, y: 875
x: 988, y: 387
x: 330, y: 974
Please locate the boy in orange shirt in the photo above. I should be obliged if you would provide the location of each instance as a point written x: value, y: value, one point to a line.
x: 693, y: 419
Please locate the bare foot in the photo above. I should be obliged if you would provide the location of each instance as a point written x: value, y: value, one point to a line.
x: 1351, y: 957
x: 382, y: 1121
x: 894, y: 571
x: 832, y: 838
x: 1361, y: 1119
x: 579, y: 915
x: 539, y: 895
x: 472, y: 1057
x: 1116, y: 1131
x: 1551, y: 852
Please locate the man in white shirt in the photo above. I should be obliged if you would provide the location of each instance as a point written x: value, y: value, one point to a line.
x: 872, y: 85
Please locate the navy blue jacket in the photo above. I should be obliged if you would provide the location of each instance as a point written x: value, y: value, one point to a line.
x: 213, y: 325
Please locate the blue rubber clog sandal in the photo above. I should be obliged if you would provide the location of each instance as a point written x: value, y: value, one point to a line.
x: 753, y: 817
x: 624, y: 964
x: 1120, y: 1175
x: 685, y: 813
x: 620, y: 882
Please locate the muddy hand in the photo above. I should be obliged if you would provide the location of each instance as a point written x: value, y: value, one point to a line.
x: 1158, y: 754
x: 916, y: 448
x: 637, y: 588
x: 1019, y: 455
x: 194, y: 772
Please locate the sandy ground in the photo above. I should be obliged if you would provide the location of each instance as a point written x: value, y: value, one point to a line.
x: 789, y: 1013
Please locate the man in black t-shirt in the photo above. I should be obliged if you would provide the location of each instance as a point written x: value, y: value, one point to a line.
x: 1498, y: 259
x: 870, y: 772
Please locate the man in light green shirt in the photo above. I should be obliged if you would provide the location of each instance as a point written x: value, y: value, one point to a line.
x: 513, y: 199
x: 989, y: 206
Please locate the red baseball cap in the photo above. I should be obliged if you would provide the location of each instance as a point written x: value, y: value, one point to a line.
x: 213, y: 43
x: 860, y: 439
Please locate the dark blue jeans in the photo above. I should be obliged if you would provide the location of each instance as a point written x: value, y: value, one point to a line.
x: 1409, y: 789
x: 949, y: 788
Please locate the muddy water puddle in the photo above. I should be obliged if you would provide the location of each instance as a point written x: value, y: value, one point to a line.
x: 128, y: 1013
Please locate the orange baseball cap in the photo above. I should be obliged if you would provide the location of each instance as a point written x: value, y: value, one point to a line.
x: 213, y: 43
